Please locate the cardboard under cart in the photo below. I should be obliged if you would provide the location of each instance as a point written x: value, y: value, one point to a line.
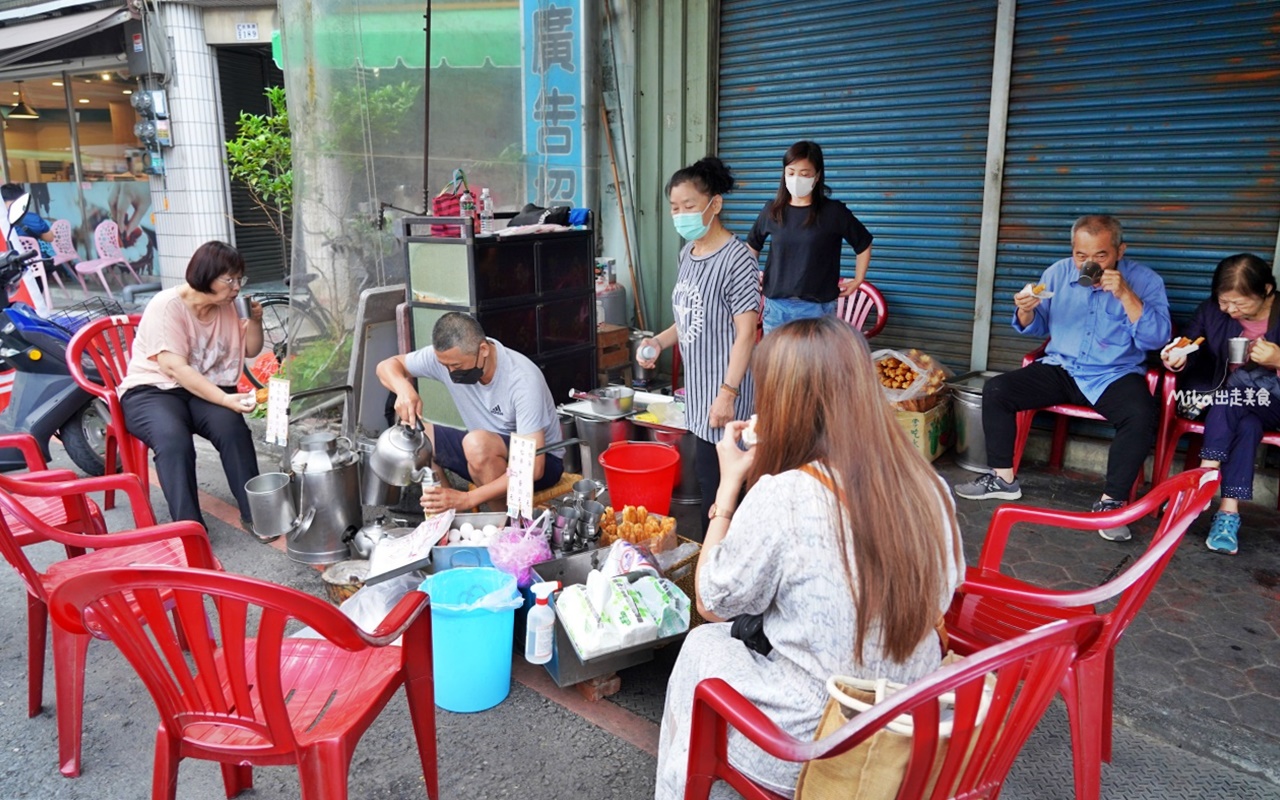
x: 565, y: 667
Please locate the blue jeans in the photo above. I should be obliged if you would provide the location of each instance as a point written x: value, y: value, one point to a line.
x: 779, y: 311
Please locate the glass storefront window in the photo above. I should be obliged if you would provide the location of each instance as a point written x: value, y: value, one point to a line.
x: 105, y: 119
x: 39, y: 150
x: 41, y: 154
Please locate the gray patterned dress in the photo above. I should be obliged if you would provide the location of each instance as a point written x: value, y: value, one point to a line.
x: 779, y: 558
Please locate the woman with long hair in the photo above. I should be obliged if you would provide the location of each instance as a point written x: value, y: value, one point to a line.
x: 808, y: 229
x: 846, y: 542
x: 1242, y: 303
x: 714, y: 302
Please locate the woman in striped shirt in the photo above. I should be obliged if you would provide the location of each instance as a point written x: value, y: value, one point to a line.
x: 715, y: 303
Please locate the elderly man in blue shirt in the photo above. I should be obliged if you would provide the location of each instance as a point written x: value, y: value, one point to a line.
x: 1099, y: 337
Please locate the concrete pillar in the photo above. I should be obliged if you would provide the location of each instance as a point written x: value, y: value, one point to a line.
x: 190, y: 202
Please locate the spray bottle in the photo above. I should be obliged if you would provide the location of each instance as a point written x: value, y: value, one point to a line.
x: 540, y: 627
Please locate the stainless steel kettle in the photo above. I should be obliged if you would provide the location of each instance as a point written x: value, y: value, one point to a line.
x: 366, y: 539
x: 401, y: 454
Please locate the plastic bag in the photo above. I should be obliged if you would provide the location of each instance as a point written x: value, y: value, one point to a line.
x: 625, y: 557
x: 498, y: 595
x: 369, y: 606
x: 909, y: 376
x: 516, y: 550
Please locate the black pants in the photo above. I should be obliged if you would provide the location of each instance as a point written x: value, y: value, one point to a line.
x: 166, y: 419
x: 1126, y: 403
x: 707, y: 468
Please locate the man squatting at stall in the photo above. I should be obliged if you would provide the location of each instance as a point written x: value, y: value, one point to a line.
x: 1098, y: 338
x: 497, y: 391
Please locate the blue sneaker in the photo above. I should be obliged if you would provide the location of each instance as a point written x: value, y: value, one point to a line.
x: 1223, y: 533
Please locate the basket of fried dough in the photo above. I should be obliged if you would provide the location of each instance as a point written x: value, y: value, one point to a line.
x: 636, y: 525
x: 912, y: 381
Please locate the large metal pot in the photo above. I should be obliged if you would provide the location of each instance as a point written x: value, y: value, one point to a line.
x: 401, y: 454
x: 326, y: 472
x: 609, y: 401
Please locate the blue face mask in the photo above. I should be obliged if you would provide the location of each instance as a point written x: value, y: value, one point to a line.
x: 690, y: 225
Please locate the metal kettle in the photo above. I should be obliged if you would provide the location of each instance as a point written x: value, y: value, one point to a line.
x: 363, y: 541
x: 402, y: 454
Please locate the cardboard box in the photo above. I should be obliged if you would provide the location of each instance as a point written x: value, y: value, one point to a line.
x: 930, y: 431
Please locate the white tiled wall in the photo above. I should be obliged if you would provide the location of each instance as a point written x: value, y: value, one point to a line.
x: 190, y: 202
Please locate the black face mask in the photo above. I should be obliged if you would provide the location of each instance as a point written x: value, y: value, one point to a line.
x: 466, y: 376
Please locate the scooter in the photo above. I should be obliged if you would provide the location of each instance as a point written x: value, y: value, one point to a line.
x: 45, y: 400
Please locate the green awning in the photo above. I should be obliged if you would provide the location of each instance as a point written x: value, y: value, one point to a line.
x: 459, y: 38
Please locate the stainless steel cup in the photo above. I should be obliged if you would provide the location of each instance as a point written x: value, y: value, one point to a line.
x: 589, y: 519
x: 271, y: 504
x: 565, y: 528
x: 1237, y: 350
x: 242, y: 306
x: 584, y: 491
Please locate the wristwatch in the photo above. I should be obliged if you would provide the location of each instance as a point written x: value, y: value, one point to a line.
x: 716, y: 512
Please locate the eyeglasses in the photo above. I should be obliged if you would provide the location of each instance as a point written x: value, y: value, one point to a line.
x: 1238, y: 305
x: 236, y: 282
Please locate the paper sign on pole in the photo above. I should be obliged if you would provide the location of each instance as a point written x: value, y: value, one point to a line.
x: 520, y: 455
x: 278, y: 411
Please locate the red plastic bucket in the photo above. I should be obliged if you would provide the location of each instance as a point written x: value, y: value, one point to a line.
x: 641, y: 474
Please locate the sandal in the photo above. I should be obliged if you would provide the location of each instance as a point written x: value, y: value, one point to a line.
x: 1223, y: 532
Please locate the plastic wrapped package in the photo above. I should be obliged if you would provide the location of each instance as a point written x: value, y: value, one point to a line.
x: 666, y: 603
x: 590, y: 636
x: 625, y: 557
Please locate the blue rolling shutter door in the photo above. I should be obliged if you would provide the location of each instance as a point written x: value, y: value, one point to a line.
x: 1166, y: 114
x: 897, y: 94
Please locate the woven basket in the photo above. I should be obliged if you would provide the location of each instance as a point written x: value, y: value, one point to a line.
x: 343, y: 579
x: 688, y: 583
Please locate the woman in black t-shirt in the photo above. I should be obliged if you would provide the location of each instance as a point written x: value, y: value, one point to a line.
x: 802, y: 273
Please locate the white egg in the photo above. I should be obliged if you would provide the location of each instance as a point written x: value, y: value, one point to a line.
x: 490, y: 530
x: 466, y: 528
x: 454, y: 536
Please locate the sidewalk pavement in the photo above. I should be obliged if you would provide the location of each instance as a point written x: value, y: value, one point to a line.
x: 1197, y: 682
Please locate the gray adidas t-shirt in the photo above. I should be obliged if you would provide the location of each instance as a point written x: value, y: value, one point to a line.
x: 517, y: 400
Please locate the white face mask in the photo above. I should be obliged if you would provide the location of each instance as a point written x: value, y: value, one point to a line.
x: 800, y: 186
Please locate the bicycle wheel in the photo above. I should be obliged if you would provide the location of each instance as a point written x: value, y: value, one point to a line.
x: 285, y: 326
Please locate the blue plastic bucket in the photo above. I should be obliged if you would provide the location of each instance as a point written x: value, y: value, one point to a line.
x: 472, y: 620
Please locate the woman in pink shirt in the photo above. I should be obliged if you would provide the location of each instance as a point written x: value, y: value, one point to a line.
x: 186, y: 361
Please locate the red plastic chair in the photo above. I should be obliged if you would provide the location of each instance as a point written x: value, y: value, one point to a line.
x: 1174, y: 427
x: 106, y: 240
x: 1038, y: 660
x: 1064, y: 411
x: 58, y: 512
x: 991, y: 607
x: 108, y: 344
x: 257, y: 697
x: 858, y: 307
x: 173, y: 544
